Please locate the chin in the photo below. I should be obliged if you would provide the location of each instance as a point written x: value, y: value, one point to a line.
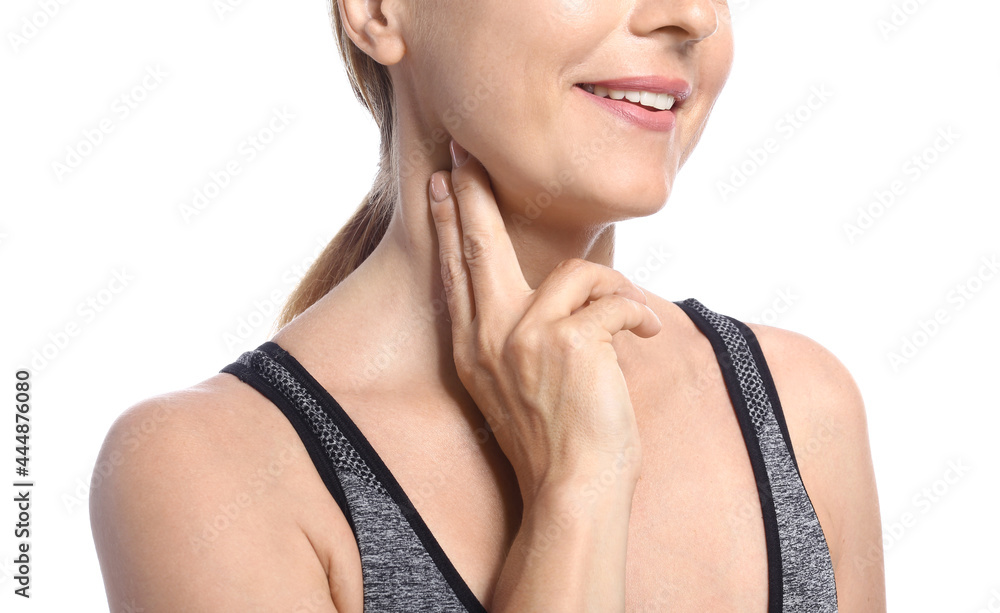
x: 610, y: 202
x: 640, y: 196
x: 589, y: 194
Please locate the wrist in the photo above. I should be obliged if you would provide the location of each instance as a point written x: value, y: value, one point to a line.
x: 594, y: 492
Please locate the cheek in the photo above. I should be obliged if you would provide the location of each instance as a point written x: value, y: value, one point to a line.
x: 715, y: 70
x: 499, y: 69
x: 505, y: 91
x: 717, y: 52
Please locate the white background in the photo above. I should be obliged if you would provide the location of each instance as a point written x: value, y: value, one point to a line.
x: 774, y: 251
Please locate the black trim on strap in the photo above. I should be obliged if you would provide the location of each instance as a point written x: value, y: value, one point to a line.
x: 768, y: 513
x: 772, y: 392
x: 312, y: 444
x: 779, y: 415
x: 381, y: 471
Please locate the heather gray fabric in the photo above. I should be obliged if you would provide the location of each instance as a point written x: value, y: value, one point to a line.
x: 398, y: 573
x: 403, y: 566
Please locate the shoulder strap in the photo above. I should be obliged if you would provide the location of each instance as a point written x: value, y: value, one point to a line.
x: 259, y: 370
x: 712, y: 326
x: 800, y: 573
x: 402, y: 561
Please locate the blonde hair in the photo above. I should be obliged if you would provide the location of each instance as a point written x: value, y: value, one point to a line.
x: 363, y: 232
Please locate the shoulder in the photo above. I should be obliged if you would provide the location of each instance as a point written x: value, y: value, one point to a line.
x: 198, y: 445
x: 828, y: 427
x: 183, y: 483
x: 818, y: 395
x: 822, y: 405
x: 820, y: 399
x: 209, y: 423
x: 810, y: 375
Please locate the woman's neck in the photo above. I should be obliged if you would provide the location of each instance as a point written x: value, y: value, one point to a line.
x: 387, y: 324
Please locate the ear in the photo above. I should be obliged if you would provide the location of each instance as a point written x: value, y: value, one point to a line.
x: 375, y: 27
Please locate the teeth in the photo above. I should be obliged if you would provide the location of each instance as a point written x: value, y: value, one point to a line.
x: 651, y: 99
x: 664, y: 101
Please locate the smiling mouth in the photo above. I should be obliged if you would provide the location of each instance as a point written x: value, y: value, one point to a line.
x: 651, y: 101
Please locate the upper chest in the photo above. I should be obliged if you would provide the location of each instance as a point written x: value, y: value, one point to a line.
x: 696, y: 537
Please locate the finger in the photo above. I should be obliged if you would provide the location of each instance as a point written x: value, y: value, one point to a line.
x: 454, y: 274
x: 609, y: 315
x: 574, y: 282
x: 489, y: 254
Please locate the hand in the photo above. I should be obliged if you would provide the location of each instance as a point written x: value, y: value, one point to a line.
x: 539, y: 363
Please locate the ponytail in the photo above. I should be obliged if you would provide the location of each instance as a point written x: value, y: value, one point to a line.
x: 359, y: 237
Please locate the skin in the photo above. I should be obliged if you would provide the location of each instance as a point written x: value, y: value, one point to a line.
x: 695, y: 539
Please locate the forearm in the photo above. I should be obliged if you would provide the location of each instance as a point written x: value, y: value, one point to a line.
x: 569, y: 553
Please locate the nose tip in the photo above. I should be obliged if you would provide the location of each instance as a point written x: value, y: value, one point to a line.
x: 690, y: 20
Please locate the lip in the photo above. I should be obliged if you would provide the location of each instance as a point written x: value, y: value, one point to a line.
x: 659, y: 121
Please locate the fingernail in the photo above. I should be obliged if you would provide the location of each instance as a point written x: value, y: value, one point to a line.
x: 439, y: 189
x: 458, y: 154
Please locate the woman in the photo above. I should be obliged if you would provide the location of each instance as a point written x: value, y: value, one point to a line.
x: 466, y: 408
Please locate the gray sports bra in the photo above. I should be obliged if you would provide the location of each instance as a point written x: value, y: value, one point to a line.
x: 404, y: 568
